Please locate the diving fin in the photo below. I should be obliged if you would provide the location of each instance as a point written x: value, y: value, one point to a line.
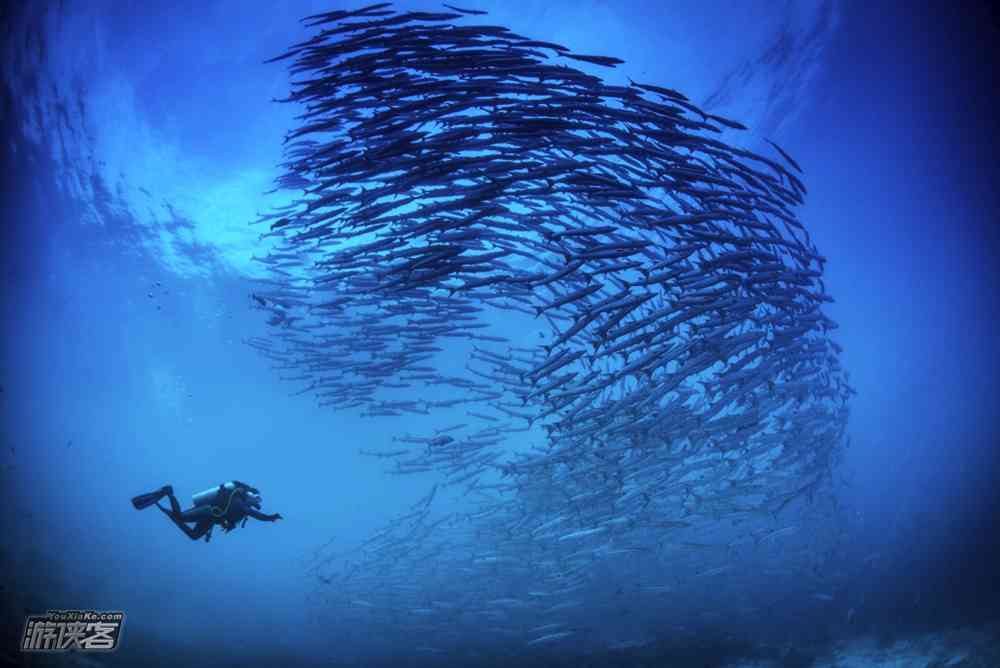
x: 146, y: 500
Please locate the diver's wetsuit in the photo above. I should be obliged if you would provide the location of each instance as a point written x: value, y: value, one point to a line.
x: 227, y: 510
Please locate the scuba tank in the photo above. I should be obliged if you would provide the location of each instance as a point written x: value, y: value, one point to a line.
x: 221, y: 494
x: 211, y: 494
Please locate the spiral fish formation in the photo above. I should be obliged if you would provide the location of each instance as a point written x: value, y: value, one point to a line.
x: 462, y: 182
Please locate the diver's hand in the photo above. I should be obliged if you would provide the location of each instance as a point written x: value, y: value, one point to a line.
x: 277, y: 516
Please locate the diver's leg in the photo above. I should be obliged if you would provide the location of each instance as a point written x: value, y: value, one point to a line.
x: 197, y: 514
x: 146, y: 500
x: 174, y: 505
x: 199, y: 530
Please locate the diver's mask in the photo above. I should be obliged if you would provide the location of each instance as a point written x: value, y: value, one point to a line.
x: 252, y: 498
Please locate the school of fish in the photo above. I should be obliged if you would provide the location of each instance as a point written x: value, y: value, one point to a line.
x: 669, y: 431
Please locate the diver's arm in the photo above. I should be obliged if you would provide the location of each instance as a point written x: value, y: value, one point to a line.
x: 262, y: 517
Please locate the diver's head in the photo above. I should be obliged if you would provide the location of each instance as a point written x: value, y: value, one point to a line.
x: 250, y: 494
x: 252, y: 498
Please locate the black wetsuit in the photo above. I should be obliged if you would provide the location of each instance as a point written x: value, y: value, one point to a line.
x: 229, y: 508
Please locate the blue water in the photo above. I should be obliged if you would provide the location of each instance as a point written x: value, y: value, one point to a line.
x: 138, y: 142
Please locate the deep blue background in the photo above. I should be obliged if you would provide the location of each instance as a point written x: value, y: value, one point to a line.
x: 137, y: 143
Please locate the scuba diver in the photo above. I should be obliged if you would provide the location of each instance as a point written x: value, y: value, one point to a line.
x: 226, y: 505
